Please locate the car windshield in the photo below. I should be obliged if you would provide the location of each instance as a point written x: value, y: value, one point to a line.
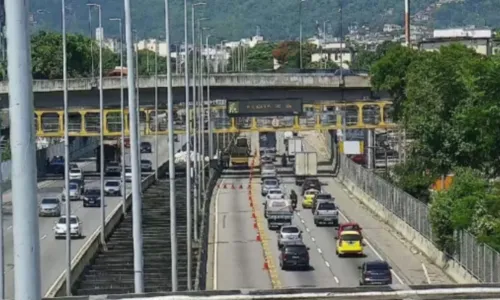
x: 350, y: 227
x: 290, y: 230
x: 326, y: 206
x: 75, y: 171
x: 351, y: 237
x: 73, y: 186
x: 311, y: 192
x: 50, y: 201
x: 296, y: 249
x: 325, y: 197
x: 62, y: 220
x: 128, y: 170
x: 113, y: 164
x: 92, y: 192
x: 276, y: 192
x: 377, y: 266
x: 145, y: 144
x: 145, y: 161
x: 271, y: 182
x: 268, y: 168
x: 112, y: 183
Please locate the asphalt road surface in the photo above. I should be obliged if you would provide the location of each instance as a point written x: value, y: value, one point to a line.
x: 52, y: 253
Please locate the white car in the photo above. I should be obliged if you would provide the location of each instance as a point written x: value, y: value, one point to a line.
x: 75, y: 227
x: 74, y: 192
x: 275, y: 194
x: 75, y: 173
x: 113, y: 187
x: 128, y: 174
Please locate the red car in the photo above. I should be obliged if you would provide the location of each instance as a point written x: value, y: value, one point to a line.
x: 350, y: 226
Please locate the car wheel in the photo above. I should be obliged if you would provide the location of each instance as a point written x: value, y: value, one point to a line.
x: 84, y: 204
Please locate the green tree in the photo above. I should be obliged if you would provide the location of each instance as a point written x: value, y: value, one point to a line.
x: 260, y: 57
x: 287, y: 54
x: 364, y: 58
x: 6, y: 154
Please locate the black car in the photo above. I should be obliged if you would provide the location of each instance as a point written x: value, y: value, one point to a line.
x: 81, y: 184
x: 146, y: 147
x: 311, y: 183
x: 375, y: 273
x: 92, y: 198
x: 294, y: 256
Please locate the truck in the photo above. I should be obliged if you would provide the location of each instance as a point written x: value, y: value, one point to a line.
x: 293, y: 145
x: 305, y: 166
x: 111, y: 154
x: 239, y: 156
x: 278, y: 213
x: 242, y: 142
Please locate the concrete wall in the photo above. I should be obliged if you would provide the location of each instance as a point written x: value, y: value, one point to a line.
x: 78, y: 148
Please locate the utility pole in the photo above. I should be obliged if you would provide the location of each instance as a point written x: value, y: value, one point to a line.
x: 210, y: 131
x: 134, y: 159
x: 24, y: 186
x: 171, y: 167
x: 407, y: 23
x: 156, y: 110
x: 300, y: 32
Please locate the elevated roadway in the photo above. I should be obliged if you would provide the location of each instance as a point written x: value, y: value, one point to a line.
x: 239, y: 259
x: 52, y: 253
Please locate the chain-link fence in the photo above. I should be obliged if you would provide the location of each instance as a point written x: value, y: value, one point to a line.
x: 480, y: 260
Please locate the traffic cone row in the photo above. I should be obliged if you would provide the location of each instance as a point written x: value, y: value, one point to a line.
x: 230, y: 186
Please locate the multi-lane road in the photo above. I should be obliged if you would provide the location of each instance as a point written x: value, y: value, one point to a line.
x: 237, y: 257
x: 52, y: 252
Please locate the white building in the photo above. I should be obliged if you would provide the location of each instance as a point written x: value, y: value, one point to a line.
x: 463, y: 32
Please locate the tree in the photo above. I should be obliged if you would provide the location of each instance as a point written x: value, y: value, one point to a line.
x: 287, y: 54
x: 260, y: 57
x: 365, y: 58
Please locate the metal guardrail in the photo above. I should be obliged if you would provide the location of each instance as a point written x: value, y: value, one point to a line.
x: 479, y: 259
x: 395, y: 292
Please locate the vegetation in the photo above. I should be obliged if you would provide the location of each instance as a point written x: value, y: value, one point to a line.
x: 82, y: 57
x: 448, y: 103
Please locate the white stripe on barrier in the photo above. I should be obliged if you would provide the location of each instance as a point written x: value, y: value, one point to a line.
x: 470, y: 293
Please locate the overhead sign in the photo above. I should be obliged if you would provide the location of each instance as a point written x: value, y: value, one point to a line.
x: 264, y: 107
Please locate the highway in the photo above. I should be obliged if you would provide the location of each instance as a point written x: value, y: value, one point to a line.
x: 238, y: 257
x: 52, y: 253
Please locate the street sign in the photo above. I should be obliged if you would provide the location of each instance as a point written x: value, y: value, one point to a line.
x: 264, y: 107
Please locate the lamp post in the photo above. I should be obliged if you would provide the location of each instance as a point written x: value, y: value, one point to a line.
x: 66, y: 151
x: 209, y: 108
x: 300, y: 32
x: 122, y: 117
x: 324, y: 43
x: 201, y: 117
x: 171, y: 167
x: 194, y: 138
x: 2, y: 255
x: 156, y: 109
x: 134, y: 159
x: 101, y: 125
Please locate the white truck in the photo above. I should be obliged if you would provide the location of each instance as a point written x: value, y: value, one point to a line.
x: 306, y: 165
x: 294, y: 145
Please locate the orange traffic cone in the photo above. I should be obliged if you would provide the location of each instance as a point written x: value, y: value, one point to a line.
x: 241, y: 186
x: 232, y: 186
x: 225, y: 186
x: 248, y: 186
x: 255, y: 225
x: 253, y: 215
x: 266, y: 266
x: 251, y: 204
x: 258, y: 238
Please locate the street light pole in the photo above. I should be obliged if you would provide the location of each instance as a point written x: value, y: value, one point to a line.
x: 188, y: 152
x: 101, y: 125
x: 201, y: 132
x: 171, y: 167
x: 66, y: 152
x: 122, y: 116
x: 210, y: 132
x: 24, y: 187
x: 134, y: 159
x: 156, y: 110
x: 324, y: 43
x: 300, y: 31
x: 2, y: 247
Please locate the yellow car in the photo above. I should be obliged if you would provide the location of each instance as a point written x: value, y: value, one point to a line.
x: 349, y: 243
x: 308, y: 200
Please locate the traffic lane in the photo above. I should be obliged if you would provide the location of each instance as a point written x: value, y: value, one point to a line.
x: 318, y: 275
x: 162, y: 147
x: 239, y: 258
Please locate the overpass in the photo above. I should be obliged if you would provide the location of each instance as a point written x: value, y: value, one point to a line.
x: 83, y: 92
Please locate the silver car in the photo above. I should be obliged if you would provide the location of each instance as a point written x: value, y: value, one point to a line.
x: 113, y: 187
x: 74, y: 192
x: 267, y: 184
x: 268, y: 170
x: 275, y: 194
x: 50, y: 207
x: 289, y: 234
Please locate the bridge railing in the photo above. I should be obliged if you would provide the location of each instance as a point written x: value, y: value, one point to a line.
x: 480, y: 260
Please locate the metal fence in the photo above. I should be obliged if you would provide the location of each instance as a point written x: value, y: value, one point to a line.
x: 480, y: 260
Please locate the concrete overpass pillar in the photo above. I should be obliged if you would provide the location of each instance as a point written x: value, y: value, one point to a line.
x: 370, y: 146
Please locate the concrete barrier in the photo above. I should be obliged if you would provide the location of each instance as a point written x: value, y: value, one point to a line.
x: 451, y: 267
x: 89, y: 250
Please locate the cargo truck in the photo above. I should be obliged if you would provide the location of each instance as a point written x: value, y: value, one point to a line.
x: 305, y: 166
x: 293, y: 145
x: 239, y: 156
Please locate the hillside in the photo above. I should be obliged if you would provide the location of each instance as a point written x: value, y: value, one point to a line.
x: 232, y: 20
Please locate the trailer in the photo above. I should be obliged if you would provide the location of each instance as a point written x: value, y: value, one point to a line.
x: 306, y: 165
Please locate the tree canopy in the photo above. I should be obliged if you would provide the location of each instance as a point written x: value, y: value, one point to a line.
x: 448, y: 101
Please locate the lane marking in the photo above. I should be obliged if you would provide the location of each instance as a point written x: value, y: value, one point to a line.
x: 307, y: 229
x: 216, y: 237
x: 426, y: 274
x: 319, y: 250
x: 327, y: 264
x: 313, y: 239
x: 336, y: 279
x: 43, y: 237
x: 367, y: 242
x: 9, y: 228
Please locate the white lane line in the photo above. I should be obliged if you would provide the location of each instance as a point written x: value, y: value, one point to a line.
x: 319, y: 250
x: 216, y: 237
x: 327, y: 264
x: 374, y: 251
x: 336, y: 279
x: 43, y: 237
x: 298, y: 214
x: 9, y: 228
x: 313, y: 239
x: 307, y: 229
x: 426, y: 274
x: 302, y: 220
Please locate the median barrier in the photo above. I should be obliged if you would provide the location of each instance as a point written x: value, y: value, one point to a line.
x: 89, y: 250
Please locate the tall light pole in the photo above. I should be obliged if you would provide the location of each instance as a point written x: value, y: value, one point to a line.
x: 201, y: 131
x: 300, y: 32
x: 122, y: 117
x: 134, y: 159
x: 2, y: 247
x: 66, y: 151
x: 407, y: 23
x: 195, y: 139
x: 101, y: 125
x: 188, y: 152
x: 156, y: 110
x: 324, y: 43
x: 210, y: 132
x: 171, y: 167
x: 24, y: 187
